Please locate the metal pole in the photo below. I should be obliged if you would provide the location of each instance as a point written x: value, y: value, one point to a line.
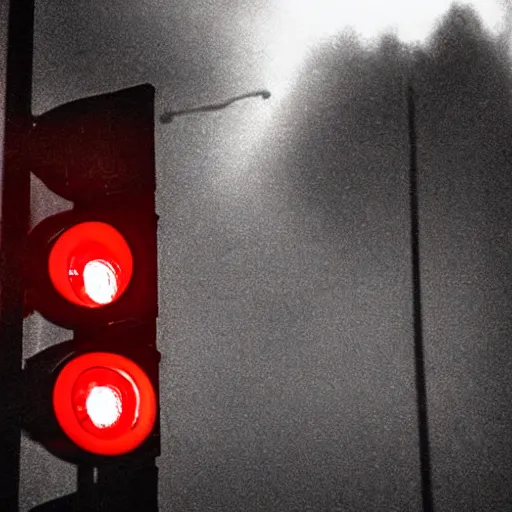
x: 421, y: 388
x: 15, y: 210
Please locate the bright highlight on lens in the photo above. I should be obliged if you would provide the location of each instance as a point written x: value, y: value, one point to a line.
x: 100, y: 281
x: 91, y: 264
x: 104, y: 406
x: 105, y: 403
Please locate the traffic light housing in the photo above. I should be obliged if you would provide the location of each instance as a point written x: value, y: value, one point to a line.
x: 93, y: 269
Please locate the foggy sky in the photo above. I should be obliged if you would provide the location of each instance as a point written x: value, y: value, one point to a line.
x: 284, y: 258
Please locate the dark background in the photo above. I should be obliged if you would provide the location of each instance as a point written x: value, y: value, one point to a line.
x: 285, y: 280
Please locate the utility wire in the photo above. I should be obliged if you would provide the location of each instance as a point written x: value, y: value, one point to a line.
x: 167, y: 117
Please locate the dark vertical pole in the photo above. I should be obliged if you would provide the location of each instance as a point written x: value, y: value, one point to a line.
x: 15, y: 204
x: 421, y: 390
x: 19, y: 61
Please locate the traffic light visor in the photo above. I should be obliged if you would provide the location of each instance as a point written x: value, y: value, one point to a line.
x: 105, y: 403
x: 91, y: 264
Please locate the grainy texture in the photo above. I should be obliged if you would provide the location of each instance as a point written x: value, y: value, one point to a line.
x: 465, y: 131
x: 285, y: 293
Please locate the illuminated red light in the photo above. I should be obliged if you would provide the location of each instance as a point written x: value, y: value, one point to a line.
x: 91, y: 264
x: 105, y: 403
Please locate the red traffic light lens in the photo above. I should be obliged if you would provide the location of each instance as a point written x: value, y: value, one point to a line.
x: 105, y: 403
x: 91, y: 264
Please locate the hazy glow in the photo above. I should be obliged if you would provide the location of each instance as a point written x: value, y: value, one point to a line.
x: 411, y: 20
x: 300, y: 25
x: 103, y: 406
x: 100, y: 281
x: 292, y: 31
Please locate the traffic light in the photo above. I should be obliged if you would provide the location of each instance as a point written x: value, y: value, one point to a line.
x: 93, y: 269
